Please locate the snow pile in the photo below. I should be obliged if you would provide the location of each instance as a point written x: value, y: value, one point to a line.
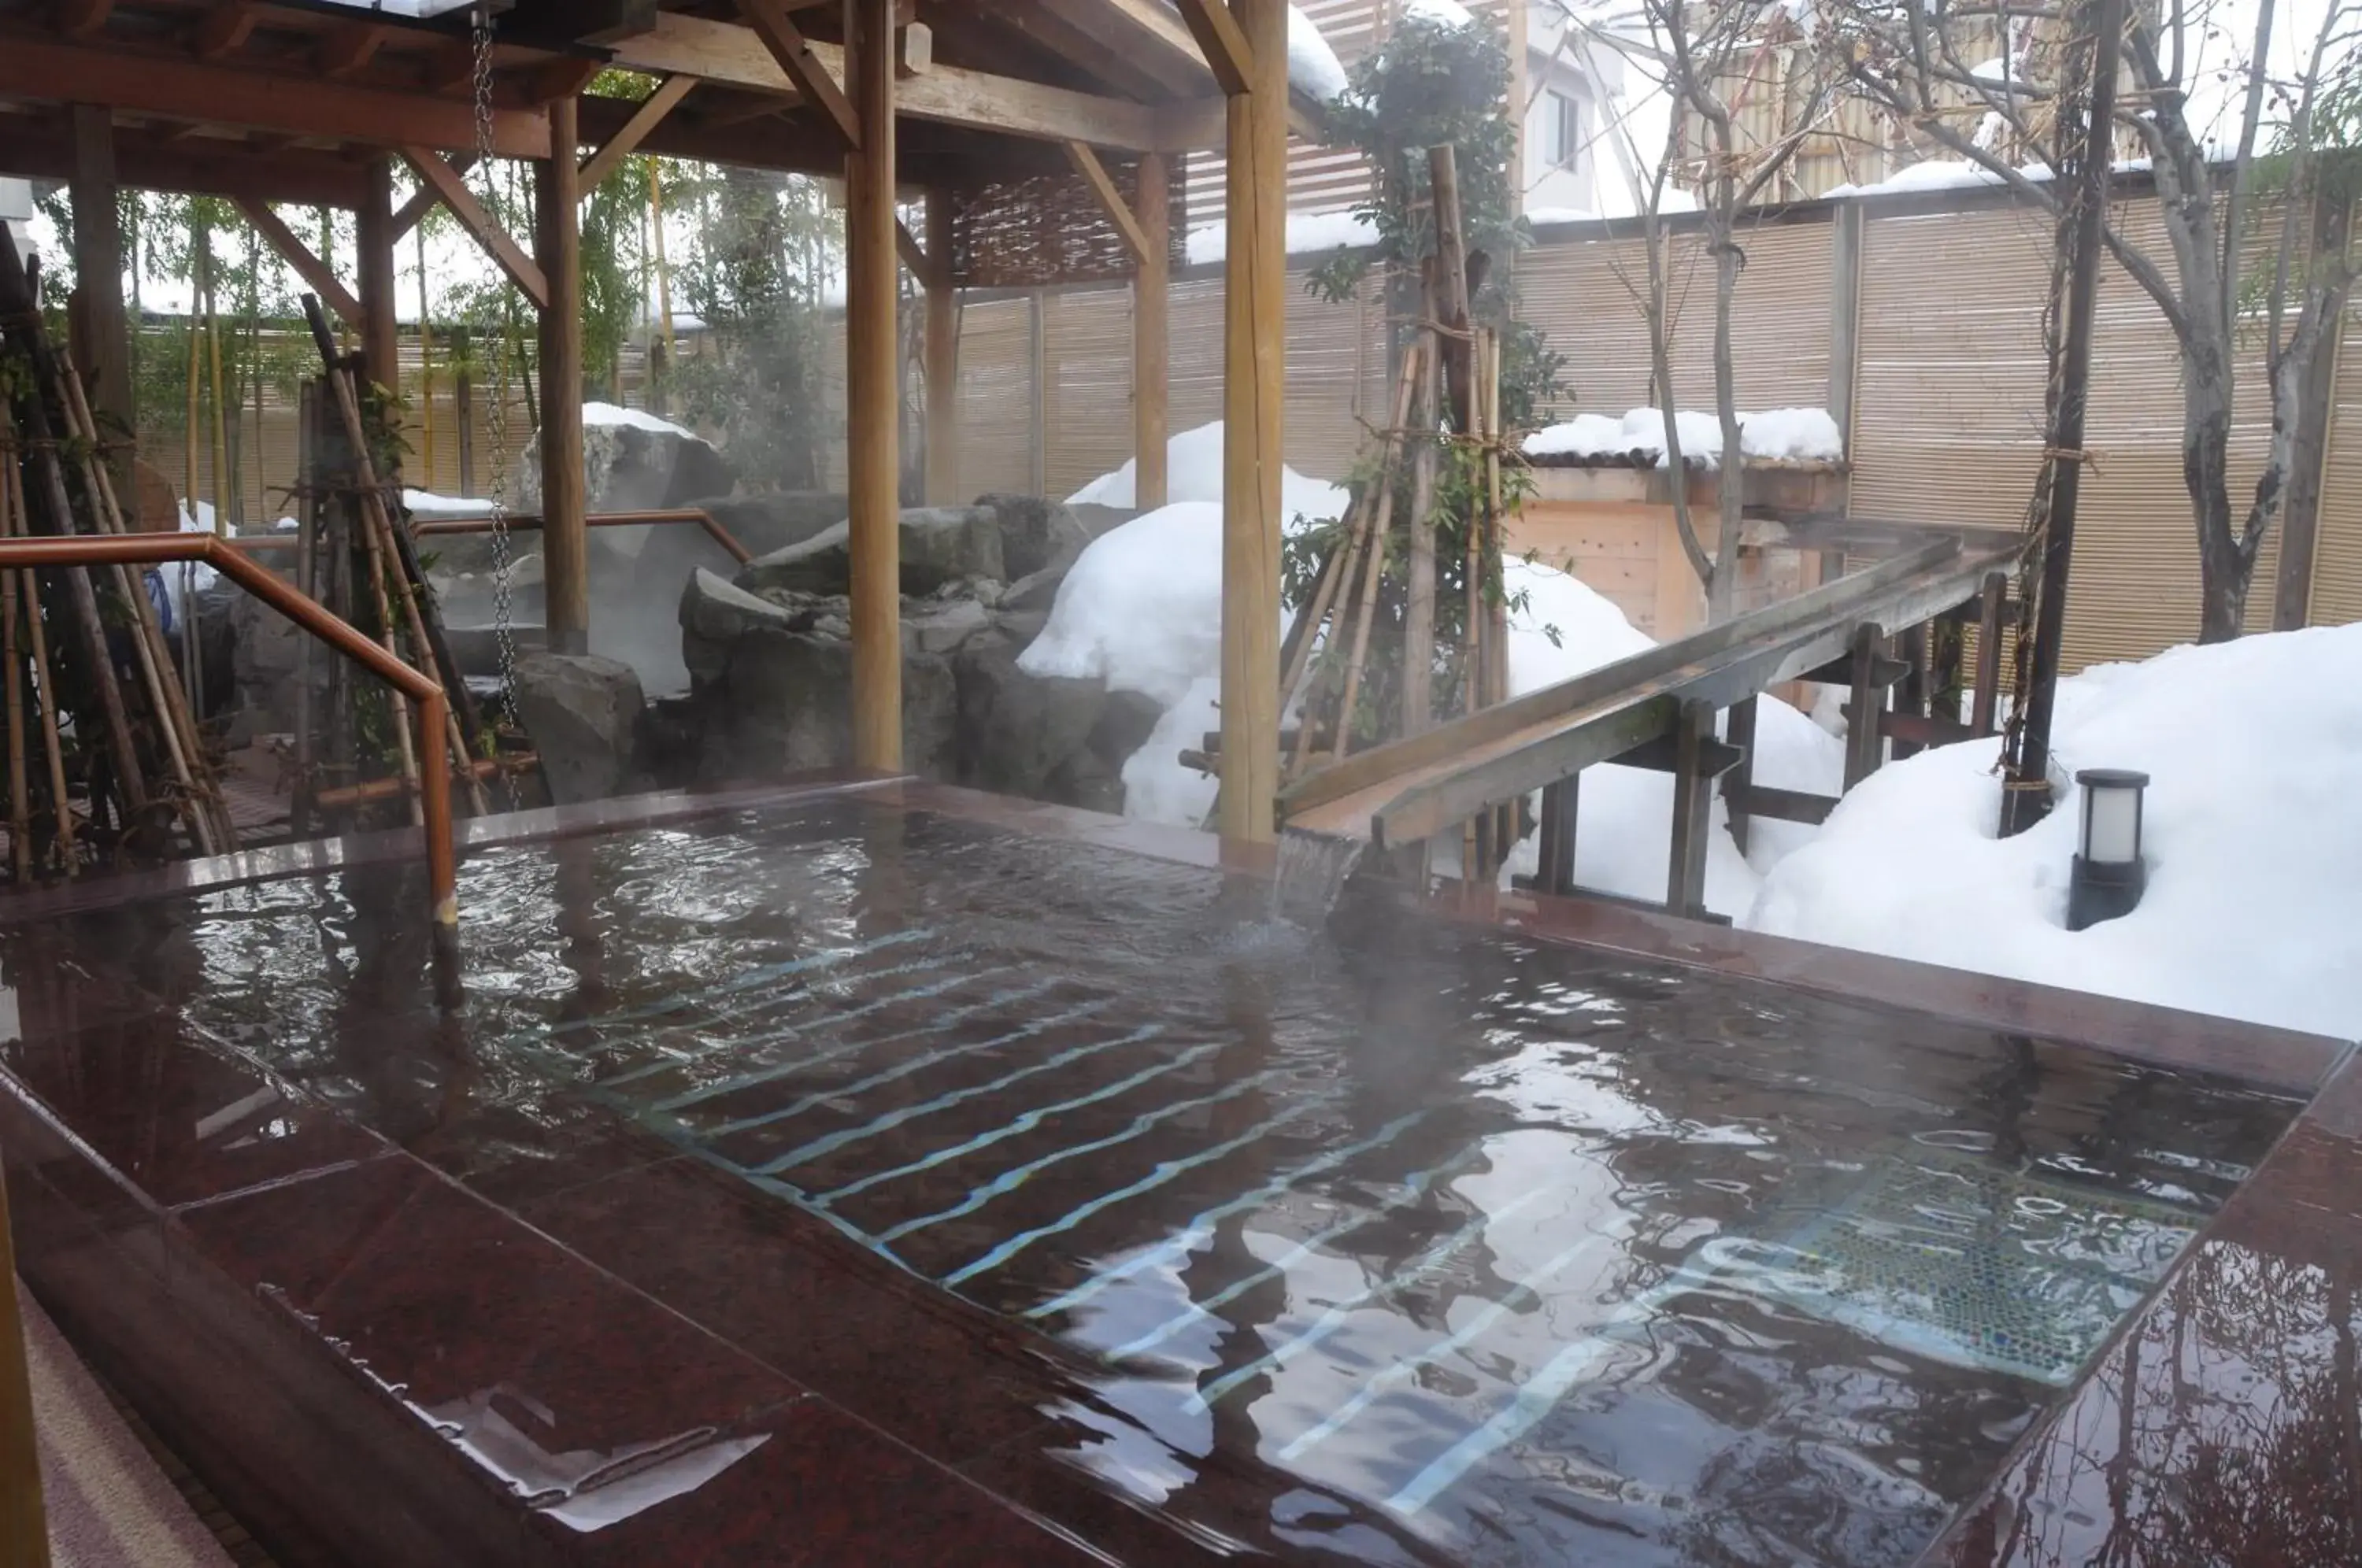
x: 1193, y: 471
x: 2254, y: 907
x: 1313, y: 67
x: 1210, y: 242
x: 1783, y: 434
x: 426, y: 503
x: 1539, y: 216
x: 1143, y: 611
x: 637, y: 418
x: 1960, y: 175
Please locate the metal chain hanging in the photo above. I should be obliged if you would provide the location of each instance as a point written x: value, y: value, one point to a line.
x: 503, y: 630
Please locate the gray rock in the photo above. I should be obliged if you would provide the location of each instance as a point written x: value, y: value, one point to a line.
x: 583, y: 716
x: 714, y: 614
x: 940, y: 544
x: 1036, y: 590
x: 941, y: 630
x: 1097, y: 520
x: 1036, y: 535
x: 774, y: 521
x: 627, y: 468
x: 1017, y: 730
x: 1124, y: 726
x: 786, y: 702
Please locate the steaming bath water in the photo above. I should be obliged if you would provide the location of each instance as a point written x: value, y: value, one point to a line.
x: 1378, y: 1238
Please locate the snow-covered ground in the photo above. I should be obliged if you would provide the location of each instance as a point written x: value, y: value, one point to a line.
x: 2254, y: 907
x: 1778, y: 433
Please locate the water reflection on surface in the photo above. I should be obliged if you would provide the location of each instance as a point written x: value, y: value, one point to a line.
x: 1453, y: 1245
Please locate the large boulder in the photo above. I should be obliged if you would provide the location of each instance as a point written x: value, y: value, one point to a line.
x: 1017, y: 730
x: 632, y: 461
x: 1037, y: 536
x: 777, y: 520
x: 940, y: 545
x: 784, y: 702
x: 583, y: 716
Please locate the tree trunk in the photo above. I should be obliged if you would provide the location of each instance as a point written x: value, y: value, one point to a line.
x: 2223, y: 571
x: 1730, y: 477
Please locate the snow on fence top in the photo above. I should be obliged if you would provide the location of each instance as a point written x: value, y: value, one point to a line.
x: 637, y: 418
x: 1638, y: 440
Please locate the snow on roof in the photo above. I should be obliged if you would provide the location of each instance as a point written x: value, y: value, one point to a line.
x: 1210, y: 242
x: 1558, y: 214
x: 1792, y: 435
x: 1313, y: 67
x: 1449, y: 13
x: 2250, y: 747
x: 1958, y: 174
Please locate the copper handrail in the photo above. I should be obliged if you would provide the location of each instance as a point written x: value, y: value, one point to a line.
x: 435, y: 782
x: 258, y: 544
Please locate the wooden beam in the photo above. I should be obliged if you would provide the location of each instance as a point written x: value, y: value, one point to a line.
x: 455, y: 194
x: 732, y: 55
x: 1227, y: 51
x: 374, y: 237
x: 426, y: 198
x: 177, y: 88
x: 561, y: 79
x: 105, y: 336
x: 913, y: 254
x: 346, y: 50
x: 565, y: 536
x: 814, y: 82
x: 317, y: 275
x: 873, y: 398
x: 226, y: 29
x: 941, y: 353
x: 85, y: 18
x: 42, y: 148
x: 649, y: 115
x: 1119, y: 211
x: 1255, y: 376
x: 1152, y: 343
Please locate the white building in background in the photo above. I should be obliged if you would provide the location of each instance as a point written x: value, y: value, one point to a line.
x: 1572, y: 91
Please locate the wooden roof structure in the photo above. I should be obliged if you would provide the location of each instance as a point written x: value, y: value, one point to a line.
x: 1044, y: 135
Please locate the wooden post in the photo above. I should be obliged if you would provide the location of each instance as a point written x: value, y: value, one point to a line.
x: 565, y: 542
x: 2292, y: 594
x: 1865, y: 737
x: 1985, y: 701
x: 1152, y: 326
x: 873, y: 462
x: 1693, y: 811
x: 1917, y: 684
x: 1561, y: 808
x: 1254, y: 376
x: 380, y: 337
x: 1739, y: 732
x: 1845, y: 314
x: 943, y: 356
x: 98, y: 271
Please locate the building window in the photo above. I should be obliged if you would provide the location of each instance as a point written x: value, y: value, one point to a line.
x: 1565, y: 129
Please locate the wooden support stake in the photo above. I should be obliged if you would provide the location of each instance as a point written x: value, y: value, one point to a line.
x: 565, y: 546
x: 1151, y: 353
x: 1985, y: 701
x: 1739, y: 732
x: 873, y: 413
x: 1561, y: 806
x: 1254, y: 373
x: 307, y: 539
x: 1865, y: 741
x: 15, y: 521
x: 1693, y: 811
x: 942, y: 351
x: 1414, y: 372
x: 1418, y: 612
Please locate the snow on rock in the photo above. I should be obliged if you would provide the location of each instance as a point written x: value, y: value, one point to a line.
x: 1445, y: 12
x: 637, y: 418
x: 2254, y: 907
x: 1787, y: 434
x: 1313, y: 67
x: 1210, y: 242
x: 1142, y: 608
x: 1193, y: 465
x: 426, y: 503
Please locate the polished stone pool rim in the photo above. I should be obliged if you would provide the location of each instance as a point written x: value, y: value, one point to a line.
x: 841, y: 1480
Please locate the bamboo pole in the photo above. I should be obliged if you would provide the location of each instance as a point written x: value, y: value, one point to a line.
x: 382, y: 593
x: 153, y: 654
x: 426, y: 369
x: 1416, y: 365
x: 1419, y: 613
x: 20, y: 811
x: 220, y: 433
x: 307, y: 537
x: 18, y: 522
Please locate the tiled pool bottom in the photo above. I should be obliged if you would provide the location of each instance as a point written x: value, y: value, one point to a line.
x: 1172, y: 1229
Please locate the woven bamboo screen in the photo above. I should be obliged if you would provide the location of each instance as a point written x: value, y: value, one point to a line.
x: 2337, y: 552
x: 996, y: 396
x: 1087, y: 385
x: 1051, y: 228
x: 1583, y: 295
x: 1948, y: 421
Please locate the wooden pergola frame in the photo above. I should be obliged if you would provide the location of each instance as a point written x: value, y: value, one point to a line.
x: 313, y: 102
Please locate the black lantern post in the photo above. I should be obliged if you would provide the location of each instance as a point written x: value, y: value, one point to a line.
x: 2109, y: 874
